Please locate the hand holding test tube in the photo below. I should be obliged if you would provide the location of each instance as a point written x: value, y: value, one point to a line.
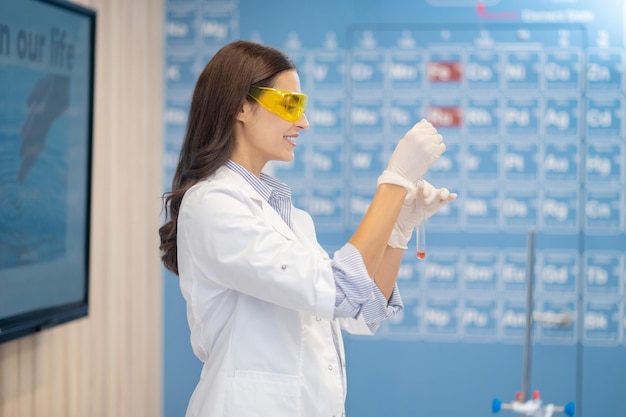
x: 429, y: 200
x: 420, y: 147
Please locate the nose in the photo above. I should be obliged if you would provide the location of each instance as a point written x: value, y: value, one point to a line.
x: 303, y: 122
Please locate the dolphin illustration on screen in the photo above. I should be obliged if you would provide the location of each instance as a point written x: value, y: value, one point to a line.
x: 49, y: 98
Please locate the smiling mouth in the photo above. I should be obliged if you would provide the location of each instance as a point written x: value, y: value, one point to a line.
x: 290, y: 139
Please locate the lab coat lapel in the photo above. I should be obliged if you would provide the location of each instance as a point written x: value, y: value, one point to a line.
x: 269, y: 212
x: 275, y: 220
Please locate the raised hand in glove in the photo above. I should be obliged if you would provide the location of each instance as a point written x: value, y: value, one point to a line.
x: 432, y: 199
x: 420, y: 147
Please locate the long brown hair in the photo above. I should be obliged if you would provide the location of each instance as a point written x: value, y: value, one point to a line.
x: 218, y: 95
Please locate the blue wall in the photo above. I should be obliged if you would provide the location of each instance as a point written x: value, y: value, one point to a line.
x: 530, y: 97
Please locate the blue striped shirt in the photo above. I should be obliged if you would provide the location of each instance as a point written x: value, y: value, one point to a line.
x: 356, y: 293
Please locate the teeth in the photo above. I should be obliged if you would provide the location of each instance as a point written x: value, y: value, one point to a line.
x: 290, y: 138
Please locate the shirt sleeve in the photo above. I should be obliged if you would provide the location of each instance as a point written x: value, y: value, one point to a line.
x: 357, y: 293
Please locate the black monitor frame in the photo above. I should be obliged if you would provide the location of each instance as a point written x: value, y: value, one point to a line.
x: 51, y: 15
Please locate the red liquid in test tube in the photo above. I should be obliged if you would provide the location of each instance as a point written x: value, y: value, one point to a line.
x: 421, y: 241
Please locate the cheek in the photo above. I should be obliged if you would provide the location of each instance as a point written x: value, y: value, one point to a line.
x: 277, y: 127
x: 270, y: 125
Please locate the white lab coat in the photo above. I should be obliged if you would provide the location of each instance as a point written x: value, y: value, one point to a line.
x: 260, y: 300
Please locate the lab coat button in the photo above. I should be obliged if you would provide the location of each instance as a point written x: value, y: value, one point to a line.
x: 283, y: 266
x: 330, y: 367
x: 318, y: 319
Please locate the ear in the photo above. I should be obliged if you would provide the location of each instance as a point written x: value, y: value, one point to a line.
x: 245, y: 111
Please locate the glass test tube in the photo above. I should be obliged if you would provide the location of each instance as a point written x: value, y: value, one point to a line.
x: 420, y: 234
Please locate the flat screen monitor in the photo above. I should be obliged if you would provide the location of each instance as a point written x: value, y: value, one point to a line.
x: 46, y: 117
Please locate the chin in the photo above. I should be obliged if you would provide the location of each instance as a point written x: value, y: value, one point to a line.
x: 288, y: 157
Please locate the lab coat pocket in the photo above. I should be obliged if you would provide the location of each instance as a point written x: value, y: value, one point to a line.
x: 260, y: 394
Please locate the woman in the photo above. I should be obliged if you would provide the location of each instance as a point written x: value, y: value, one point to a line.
x: 265, y: 302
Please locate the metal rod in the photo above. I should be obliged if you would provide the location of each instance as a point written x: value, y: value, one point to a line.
x: 530, y: 274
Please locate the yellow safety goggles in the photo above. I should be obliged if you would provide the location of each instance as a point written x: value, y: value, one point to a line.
x: 286, y: 104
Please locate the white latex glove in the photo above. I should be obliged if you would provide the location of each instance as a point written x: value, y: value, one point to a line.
x: 432, y: 199
x: 414, y: 154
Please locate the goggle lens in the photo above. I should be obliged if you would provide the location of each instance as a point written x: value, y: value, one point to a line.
x: 286, y: 104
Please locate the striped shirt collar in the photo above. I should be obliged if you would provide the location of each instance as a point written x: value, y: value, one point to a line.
x: 274, y: 191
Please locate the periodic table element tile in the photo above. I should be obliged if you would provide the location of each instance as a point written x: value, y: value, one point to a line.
x: 366, y: 115
x: 605, y: 70
x: 478, y: 270
x: 181, y: 71
x: 482, y: 161
x: 440, y: 271
x: 605, y: 161
x: 512, y: 274
x: 479, y: 319
x: 327, y: 158
x: 605, y: 116
x: 561, y: 161
x: 326, y: 203
x: 219, y: 23
x: 483, y: 115
x: 604, y: 210
x: 360, y: 197
x: 562, y: 116
x: 602, y: 321
x: 483, y: 71
x: 562, y: 69
x: 175, y: 113
x: 559, y: 208
x: 403, y: 111
x: 445, y: 112
x: 366, y: 70
x: 520, y: 161
x: 405, y: 70
x: 557, y: 271
x: 181, y: 26
x: 512, y: 319
x: 445, y: 116
x: 444, y: 70
x: 520, y: 208
x: 367, y: 159
x: 326, y: 115
x: 440, y: 318
x: 481, y: 206
x: 603, y: 272
x: 521, y: 116
x: 522, y: 70
x: 327, y: 70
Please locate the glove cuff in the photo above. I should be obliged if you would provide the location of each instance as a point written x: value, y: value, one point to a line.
x: 400, y: 238
x: 390, y: 177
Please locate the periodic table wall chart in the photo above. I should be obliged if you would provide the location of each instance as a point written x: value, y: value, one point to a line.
x: 530, y: 100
